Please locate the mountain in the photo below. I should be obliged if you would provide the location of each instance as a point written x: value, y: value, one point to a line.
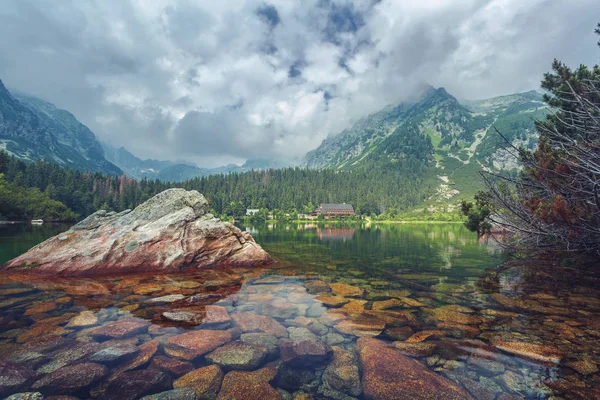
x: 32, y: 129
x: 172, y: 171
x: 438, y: 138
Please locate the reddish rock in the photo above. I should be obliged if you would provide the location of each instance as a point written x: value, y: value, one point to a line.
x: 239, y: 385
x: 13, y: 377
x: 121, y: 328
x: 304, y: 352
x: 387, y: 374
x: 210, y: 317
x: 171, y: 365
x: 205, y: 381
x: 70, y: 378
x: 248, y: 322
x: 193, y: 344
x: 41, y: 330
x: 146, y: 352
x: 416, y: 349
x: 536, y: 352
x: 83, y: 319
x: 238, y: 355
x: 361, y: 326
x: 40, y: 308
x: 452, y: 314
x: 280, y: 309
x: 344, y: 290
x: 132, y: 385
x: 167, y: 233
x: 332, y: 301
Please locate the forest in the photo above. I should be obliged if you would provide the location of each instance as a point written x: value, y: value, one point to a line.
x: 43, y: 190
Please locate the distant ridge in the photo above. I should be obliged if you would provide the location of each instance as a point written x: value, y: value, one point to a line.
x: 32, y: 129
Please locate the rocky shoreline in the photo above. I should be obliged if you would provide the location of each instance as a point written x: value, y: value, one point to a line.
x: 172, y: 231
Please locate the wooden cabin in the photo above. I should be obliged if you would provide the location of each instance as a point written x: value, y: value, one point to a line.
x: 332, y: 210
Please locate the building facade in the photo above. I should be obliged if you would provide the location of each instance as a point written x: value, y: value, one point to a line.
x: 333, y: 210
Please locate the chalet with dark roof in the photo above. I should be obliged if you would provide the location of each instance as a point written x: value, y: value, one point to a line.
x: 333, y: 210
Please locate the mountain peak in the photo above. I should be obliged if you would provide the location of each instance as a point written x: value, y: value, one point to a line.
x: 3, y: 89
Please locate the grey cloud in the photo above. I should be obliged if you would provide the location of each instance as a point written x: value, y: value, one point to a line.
x: 242, y: 79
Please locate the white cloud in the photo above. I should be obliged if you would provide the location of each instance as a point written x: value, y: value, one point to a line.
x: 217, y: 81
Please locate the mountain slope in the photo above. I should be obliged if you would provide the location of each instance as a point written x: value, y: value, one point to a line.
x: 441, y: 141
x: 171, y: 171
x: 32, y: 129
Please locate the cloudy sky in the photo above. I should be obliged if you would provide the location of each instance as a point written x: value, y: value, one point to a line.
x: 224, y: 81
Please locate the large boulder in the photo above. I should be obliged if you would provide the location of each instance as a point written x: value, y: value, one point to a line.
x: 388, y: 375
x: 171, y: 231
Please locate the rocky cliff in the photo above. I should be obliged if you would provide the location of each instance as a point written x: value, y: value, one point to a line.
x: 170, y: 232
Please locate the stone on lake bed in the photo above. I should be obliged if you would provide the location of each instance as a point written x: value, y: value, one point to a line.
x: 116, y: 353
x: 193, y: 344
x: 248, y: 322
x: 385, y: 304
x: 146, y: 352
x: 174, y: 366
x: 532, y: 351
x: 262, y: 339
x: 424, y: 335
x: 166, y: 299
x: 453, y: 315
x: 171, y: 231
x: 121, y: 328
x: 205, y: 381
x: 317, y: 286
x: 26, y: 396
x: 387, y: 374
x: 40, y: 308
x: 345, y: 290
x: 304, y: 352
x: 36, y: 332
x: 67, y: 355
x: 280, y: 309
x: 332, y: 301
x: 174, y: 394
x: 71, y: 377
x: 14, y: 377
x: 238, y: 355
x: 147, y: 288
x: 421, y: 349
x: 207, y: 316
x: 238, y: 385
x: 83, y: 319
x: 132, y: 385
x: 341, y: 375
x: 361, y: 326
x: 584, y: 367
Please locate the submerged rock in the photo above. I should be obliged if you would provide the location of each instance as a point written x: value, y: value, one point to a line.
x: 341, y: 377
x: 193, y: 344
x: 135, y: 384
x: 536, y: 352
x: 304, y: 352
x: 13, y: 377
x: 239, y: 385
x: 238, y: 355
x: 248, y: 322
x: 71, y: 377
x: 205, y: 381
x: 387, y: 374
x: 174, y: 394
x: 171, y: 231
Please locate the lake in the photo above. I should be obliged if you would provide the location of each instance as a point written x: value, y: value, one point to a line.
x: 348, y: 312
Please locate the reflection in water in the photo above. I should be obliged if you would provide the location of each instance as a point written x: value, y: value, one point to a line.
x: 16, y: 239
x: 279, y: 332
x: 330, y: 232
